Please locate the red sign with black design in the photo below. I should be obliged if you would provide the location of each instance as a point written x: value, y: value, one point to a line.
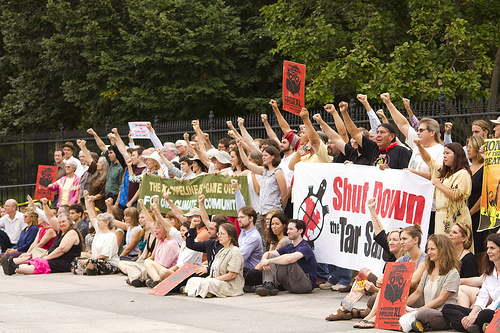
x: 294, y: 76
x: 494, y: 325
x: 46, y: 175
x: 394, y: 294
x: 174, y: 280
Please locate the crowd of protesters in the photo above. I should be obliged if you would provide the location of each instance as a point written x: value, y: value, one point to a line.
x: 93, y: 226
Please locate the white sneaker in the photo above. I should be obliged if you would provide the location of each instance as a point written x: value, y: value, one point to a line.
x: 325, y: 286
x: 337, y: 287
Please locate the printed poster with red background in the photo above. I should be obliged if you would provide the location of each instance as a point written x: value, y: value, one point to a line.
x: 46, y: 175
x: 294, y: 76
x: 494, y: 325
x: 394, y: 294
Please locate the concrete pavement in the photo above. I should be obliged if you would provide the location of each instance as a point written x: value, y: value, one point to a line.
x: 71, y: 303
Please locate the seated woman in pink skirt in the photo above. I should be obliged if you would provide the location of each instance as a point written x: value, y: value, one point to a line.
x: 65, y: 248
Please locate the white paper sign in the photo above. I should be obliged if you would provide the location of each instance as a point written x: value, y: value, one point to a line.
x: 331, y: 199
x: 139, y: 129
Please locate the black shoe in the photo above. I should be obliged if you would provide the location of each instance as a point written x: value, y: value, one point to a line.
x: 248, y: 289
x: 4, y: 264
x: 11, y: 266
x: 418, y: 326
x: 151, y: 284
x: 267, y: 289
x: 137, y: 283
x: 474, y: 329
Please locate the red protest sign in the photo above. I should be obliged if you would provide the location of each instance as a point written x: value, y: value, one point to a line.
x: 357, y: 290
x: 294, y: 76
x: 173, y: 280
x: 494, y: 325
x: 394, y: 293
x: 46, y: 175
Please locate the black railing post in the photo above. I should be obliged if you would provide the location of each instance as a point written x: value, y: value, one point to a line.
x: 211, y: 127
x: 155, y: 123
x: 61, y: 134
x: 24, y: 155
x: 441, y: 100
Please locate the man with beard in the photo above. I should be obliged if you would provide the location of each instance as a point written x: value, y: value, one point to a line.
x: 293, y: 266
x: 211, y: 246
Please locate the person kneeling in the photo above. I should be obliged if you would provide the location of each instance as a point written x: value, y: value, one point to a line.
x: 293, y: 266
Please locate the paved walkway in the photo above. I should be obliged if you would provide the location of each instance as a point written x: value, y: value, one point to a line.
x: 71, y: 303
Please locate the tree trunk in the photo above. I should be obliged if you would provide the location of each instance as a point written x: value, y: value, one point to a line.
x: 495, y: 77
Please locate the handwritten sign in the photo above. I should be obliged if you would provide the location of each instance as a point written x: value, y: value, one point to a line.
x: 139, y: 129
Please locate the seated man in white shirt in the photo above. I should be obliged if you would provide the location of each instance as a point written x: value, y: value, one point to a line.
x: 11, y: 225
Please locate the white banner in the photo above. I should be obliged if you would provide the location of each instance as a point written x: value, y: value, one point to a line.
x: 331, y: 199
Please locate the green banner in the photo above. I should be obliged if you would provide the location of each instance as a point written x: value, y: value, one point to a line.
x: 218, y: 191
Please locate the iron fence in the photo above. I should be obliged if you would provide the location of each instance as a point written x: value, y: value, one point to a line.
x: 21, y: 154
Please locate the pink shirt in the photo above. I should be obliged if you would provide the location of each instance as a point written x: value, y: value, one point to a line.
x: 167, y: 252
x: 74, y: 191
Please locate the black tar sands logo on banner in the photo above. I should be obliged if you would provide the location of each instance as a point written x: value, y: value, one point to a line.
x: 312, y: 211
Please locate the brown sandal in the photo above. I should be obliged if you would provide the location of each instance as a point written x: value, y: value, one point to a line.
x: 360, y: 313
x: 340, y: 315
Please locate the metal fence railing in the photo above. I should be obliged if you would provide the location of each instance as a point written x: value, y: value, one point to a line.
x: 21, y: 154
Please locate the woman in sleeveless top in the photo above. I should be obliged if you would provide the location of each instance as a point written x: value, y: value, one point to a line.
x: 65, y: 248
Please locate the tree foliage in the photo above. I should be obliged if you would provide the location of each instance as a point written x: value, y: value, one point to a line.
x: 80, y: 63
x: 411, y: 48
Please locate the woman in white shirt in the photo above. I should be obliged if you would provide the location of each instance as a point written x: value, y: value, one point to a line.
x: 104, y: 256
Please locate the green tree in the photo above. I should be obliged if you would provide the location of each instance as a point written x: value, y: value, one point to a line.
x: 34, y: 100
x: 411, y: 48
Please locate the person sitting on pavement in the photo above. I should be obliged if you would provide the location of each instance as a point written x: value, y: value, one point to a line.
x: 103, y: 259
x: 226, y: 273
x: 27, y: 236
x: 156, y: 268
x: 250, y: 241
x: 65, y: 248
x: 472, y: 320
x: 211, y: 246
x: 391, y: 244
x: 438, y: 286
x: 293, y: 266
x: 11, y: 225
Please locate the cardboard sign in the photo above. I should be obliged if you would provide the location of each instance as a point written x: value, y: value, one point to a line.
x: 174, y: 280
x: 357, y: 290
x: 47, y: 174
x: 139, y: 129
x: 490, y: 214
x: 494, y: 326
x: 394, y: 294
x: 294, y: 76
x: 218, y: 191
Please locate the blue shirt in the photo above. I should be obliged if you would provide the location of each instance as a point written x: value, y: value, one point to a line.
x: 124, y: 190
x: 251, y: 248
x: 307, y: 262
x: 27, y: 237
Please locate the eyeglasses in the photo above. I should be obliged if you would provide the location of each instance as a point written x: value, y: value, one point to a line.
x: 420, y: 130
